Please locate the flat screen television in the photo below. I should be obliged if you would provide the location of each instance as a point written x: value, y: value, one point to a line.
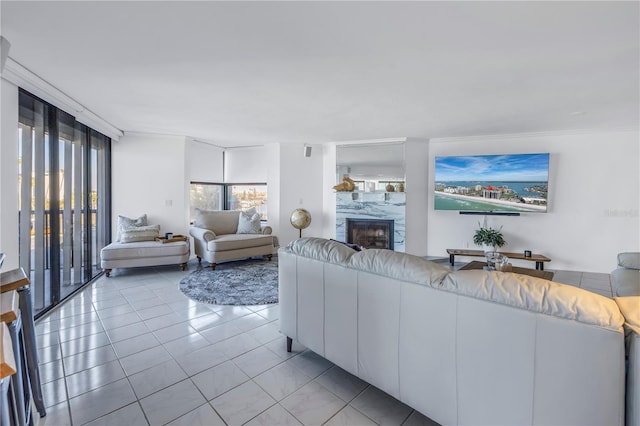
x: 492, y: 183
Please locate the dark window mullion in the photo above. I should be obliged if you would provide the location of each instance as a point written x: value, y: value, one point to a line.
x: 225, y: 199
x: 77, y: 205
x: 88, y: 274
x: 41, y: 297
x: 54, y: 206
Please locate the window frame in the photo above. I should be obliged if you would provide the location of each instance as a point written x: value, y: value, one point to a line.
x: 226, y: 191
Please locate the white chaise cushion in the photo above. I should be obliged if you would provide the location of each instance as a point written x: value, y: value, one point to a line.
x: 142, y: 250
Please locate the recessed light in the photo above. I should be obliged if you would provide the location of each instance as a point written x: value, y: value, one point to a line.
x: 578, y: 113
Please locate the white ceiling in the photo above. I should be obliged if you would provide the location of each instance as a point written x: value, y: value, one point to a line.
x: 257, y: 72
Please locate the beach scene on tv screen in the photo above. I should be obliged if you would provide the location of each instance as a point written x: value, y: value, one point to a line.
x: 515, y: 182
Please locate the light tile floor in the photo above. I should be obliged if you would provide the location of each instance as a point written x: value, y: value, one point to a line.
x: 133, y: 350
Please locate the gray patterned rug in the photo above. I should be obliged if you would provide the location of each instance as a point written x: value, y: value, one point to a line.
x: 245, y: 282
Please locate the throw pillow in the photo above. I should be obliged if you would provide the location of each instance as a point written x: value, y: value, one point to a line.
x: 128, y: 222
x: 134, y: 234
x: 351, y: 246
x: 249, y: 223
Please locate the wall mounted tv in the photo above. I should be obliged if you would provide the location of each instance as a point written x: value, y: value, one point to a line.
x: 485, y: 184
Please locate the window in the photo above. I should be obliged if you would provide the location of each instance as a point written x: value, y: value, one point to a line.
x: 64, y: 200
x: 245, y: 196
x: 206, y: 196
x: 226, y: 196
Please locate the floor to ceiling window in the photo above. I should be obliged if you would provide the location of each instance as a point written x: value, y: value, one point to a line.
x: 64, y: 200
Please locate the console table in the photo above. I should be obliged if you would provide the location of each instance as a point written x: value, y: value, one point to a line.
x: 523, y: 271
x: 538, y: 258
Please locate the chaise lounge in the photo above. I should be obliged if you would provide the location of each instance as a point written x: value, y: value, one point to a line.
x: 144, y: 253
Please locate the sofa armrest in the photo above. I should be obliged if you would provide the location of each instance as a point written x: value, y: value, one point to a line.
x: 202, y: 233
x: 629, y: 260
x: 266, y: 229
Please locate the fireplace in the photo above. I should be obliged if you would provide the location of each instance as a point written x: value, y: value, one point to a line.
x: 370, y: 233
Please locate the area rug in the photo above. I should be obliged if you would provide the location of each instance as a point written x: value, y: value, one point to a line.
x: 245, y: 282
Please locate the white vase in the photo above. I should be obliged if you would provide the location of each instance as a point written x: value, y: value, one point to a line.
x: 487, y: 248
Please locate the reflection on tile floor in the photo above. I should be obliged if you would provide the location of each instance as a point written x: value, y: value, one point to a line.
x: 133, y: 350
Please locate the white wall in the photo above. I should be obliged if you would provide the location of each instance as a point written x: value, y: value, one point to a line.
x: 300, y: 186
x: 148, y: 170
x: 245, y: 165
x: 9, y: 243
x: 329, y: 157
x: 416, y: 153
x: 594, y: 199
x: 150, y: 176
x: 272, y: 159
x: 205, y: 162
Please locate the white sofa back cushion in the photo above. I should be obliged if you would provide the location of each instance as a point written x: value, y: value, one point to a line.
x: 630, y: 260
x: 218, y: 221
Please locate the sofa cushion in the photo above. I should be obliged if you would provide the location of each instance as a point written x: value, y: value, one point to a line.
x: 401, y: 266
x: 626, y: 282
x: 629, y: 260
x: 128, y: 222
x: 249, y: 223
x: 228, y: 242
x: 143, y: 249
x: 219, y: 221
x: 536, y: 295
x: 131, y: 234
x: 321, y: 249
x: 352, y: 246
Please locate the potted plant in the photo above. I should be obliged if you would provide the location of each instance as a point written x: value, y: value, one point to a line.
x: 490, y: 239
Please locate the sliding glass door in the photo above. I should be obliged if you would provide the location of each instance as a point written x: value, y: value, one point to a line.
x: 64, y: 200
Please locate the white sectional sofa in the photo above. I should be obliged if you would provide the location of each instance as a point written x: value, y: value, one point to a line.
x: 630, y: 308
x: 466, y: 347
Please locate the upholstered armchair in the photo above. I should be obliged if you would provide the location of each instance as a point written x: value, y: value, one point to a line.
x: 220, y: 236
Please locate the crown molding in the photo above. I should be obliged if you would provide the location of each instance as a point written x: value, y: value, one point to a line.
x: 503, y: 136
x: 24, y: 78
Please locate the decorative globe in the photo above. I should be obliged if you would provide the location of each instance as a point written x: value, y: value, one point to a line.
x: 300, y: 219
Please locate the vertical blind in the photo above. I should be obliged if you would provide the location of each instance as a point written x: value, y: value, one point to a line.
x: 64, y: 200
